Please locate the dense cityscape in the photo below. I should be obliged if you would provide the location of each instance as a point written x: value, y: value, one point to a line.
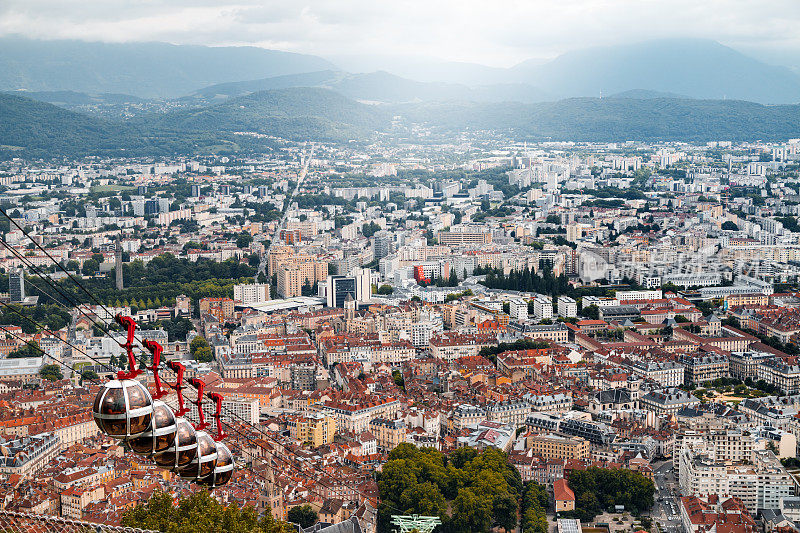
x: 399, y: 267
x: 570, y: 312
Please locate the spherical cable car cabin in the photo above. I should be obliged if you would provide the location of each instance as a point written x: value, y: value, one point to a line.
x: 183, y: 449
x: 223, y: 469
x: 123, y: 409
x: 204, y: 461
x: 161, y: 434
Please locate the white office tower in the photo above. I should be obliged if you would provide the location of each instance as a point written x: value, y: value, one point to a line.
x: 567, y: 307
x: 363, y: 284
x: 518, y: 309
x: 543, y: 307
x: 249, y: 294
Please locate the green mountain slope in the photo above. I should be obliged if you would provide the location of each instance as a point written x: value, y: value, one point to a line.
x: 40, y: 127
x: 619, y: 119
x: 302, y: 113
x: 32, y: 128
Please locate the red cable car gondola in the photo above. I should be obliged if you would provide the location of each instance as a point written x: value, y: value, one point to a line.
x: 223, y: 469
x: 183, y: 449
x: 161, y: 434
x: 204, y: 461
x: 123, y: 409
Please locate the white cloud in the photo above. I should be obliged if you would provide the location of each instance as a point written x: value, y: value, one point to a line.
x: 499, y: 32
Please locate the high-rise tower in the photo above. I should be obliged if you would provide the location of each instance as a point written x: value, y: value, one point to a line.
x: 16, y: 285
x: 118, y: 264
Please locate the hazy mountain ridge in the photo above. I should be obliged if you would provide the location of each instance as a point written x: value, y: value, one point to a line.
x: 141, y: 69
x: 296, y: 113
x: 381, y: 87
x: 693, y: 68
x: 76, y: 98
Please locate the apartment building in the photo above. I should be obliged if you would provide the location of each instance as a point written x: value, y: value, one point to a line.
x: 512, y: 412
x: 450, y: 346
x: 465, y: 415
x: 355, y: 416
x: 743, y: 365
x: 289, y: 284
x: 727, y: 445
x: 389, y: 433
x: 555, y: 332
x: 348, y: 349
x: 567, y: 307
x: 760, y: 483
x: 785, y: 376
x: 665, y: 373
x: 463, y: 238
x: 701, y: 368
x: 667, y: 401
x: 543, y: 307
x: 627, y: 296
x: 220, y: 308
x: 316, y: 429
x: 518, y: 309
x: 558, y: 447
x: 28, y: 455
x: 252, y: 293
x: 75, y: 499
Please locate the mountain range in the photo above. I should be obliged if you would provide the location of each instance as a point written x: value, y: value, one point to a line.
x: 381, y: 87
x: 35, y: 129
x: 69, y: 98
x: 32, y: 128
x: 693, y: 68
x: 150, y: 70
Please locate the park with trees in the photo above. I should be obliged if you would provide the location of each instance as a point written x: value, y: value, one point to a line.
x: 471, y: 491
x: 200, y: 513
x: 600, y: 489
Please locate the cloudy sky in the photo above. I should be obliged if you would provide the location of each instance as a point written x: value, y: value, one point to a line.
x: 492, y: 32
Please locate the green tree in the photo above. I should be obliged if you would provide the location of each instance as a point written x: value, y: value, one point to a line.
x: 200, y: 350
x: 592, y: 312
x: 480, y: 489
x: 199, y: 513
x: 369, y: 229
x: 452, y: 281
x: 51, y: 373
x: 470, y: 513
x: 303, y: 515
x: 30, y: 349
x: 89, y: 375
x: 385, y: 289
x: 533, y: 508
x: 90, y: 266
x: 731, y: 226
x: 244, y: 239
x: 599, y: 489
